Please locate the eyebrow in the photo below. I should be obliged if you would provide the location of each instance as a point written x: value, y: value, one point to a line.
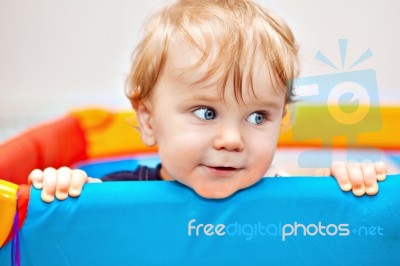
x: 270, y: 104
x: 216, y: 99
x: 205, y: 98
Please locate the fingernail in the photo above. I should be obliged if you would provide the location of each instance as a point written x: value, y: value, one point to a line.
x: 74, y: 192
x: 61, y: 195
x: 358, y: 192
x: 38, y: 185
x: 372, y: 190
x: 381, y: 177
x: 346, y: 187
x: 47, y: 197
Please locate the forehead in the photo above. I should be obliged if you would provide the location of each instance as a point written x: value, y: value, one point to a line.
x: 186, y: 67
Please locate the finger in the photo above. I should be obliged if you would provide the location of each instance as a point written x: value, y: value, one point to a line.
x: 381, y: 171
x: 36, y: 178
x: 79, y: 178
x: 94, y: 180
x: 339, y: 171
x: 356, y: 178
x: 63, y: 183
x: 370, y: 177
x: 322, y: 172
x: 49, y: 184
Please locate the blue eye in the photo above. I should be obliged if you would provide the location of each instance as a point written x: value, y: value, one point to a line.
x: 205, y: 113
x: 256, y: 118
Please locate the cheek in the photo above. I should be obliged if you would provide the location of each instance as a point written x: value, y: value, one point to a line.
x: 262, y: 153
x: 263, y: 144
x: 180, y: 151
x: 181, y: 142
x: 177, y: 135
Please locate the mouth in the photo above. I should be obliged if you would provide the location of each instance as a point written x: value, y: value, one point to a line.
x: 222, y: 170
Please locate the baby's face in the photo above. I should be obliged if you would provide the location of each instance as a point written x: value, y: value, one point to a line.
x: 215, y: 147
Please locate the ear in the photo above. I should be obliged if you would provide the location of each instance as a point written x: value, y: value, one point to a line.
x: 145, y: 118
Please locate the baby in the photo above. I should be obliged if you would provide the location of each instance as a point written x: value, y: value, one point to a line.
x: 210, y: 82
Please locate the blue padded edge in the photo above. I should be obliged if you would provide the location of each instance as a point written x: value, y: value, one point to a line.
x: 147, y: 223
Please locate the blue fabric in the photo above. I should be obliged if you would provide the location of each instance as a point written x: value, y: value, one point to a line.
x: 100, y: 168
x: 148, y: 223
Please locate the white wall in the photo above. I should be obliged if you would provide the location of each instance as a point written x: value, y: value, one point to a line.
x: 59, y: 54
x: 368, y: 24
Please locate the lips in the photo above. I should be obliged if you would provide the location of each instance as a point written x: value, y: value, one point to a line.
x: 222, y: 170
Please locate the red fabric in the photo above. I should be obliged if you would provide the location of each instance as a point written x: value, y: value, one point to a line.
x: 18, y: 157
x: 58, y: 143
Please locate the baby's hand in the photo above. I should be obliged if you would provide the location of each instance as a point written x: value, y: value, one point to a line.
x: 361, y: 178
x: 59, y: 183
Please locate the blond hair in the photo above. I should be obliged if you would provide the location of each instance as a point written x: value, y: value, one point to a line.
x: 240, y: 29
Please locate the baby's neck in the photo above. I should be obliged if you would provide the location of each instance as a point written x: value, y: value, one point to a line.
x: 164, y: 175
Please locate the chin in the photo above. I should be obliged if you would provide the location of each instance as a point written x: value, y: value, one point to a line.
x: 214, y: 194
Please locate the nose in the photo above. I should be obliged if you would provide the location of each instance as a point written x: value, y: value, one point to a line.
x: 228, y: 138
